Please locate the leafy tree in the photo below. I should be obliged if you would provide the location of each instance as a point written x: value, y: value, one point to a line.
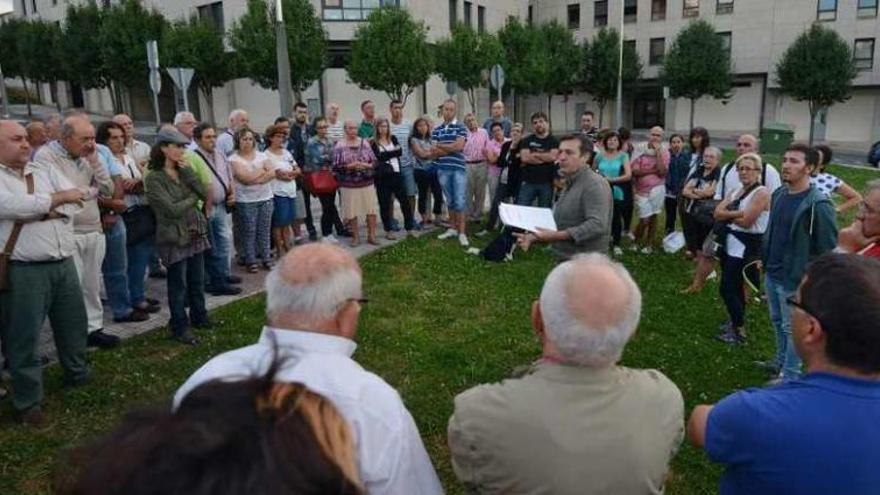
x: 697, y: 65
x: 465, y: 57
x: 559, y: 50
x: 817, y: 68
x: 11, y: 33
x: 124, y: 34
x: 253, y: 38
x: 522, y: 61
x: 602, y: 64
x: 390, y: 53
x: 80, y: 49
x: 39, y: 47
x: 197, y: 44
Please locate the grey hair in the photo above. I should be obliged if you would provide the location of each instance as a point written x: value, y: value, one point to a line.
x: 313, y: 301
x: 178, y: 119
x: 715, y: 151
x: 871, y: 186
x: 578, y: 343
x: 236, y: 113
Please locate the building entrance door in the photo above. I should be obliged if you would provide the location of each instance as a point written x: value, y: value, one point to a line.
x: 648, y: 112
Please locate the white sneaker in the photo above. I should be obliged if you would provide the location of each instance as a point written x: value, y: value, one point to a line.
x: 330, y: 239
x: 629, y: 236
x: 463, y: 240
x: 618, y: 251
x: 647, y: 250
x: 712, y: 276
x: 482, y: 233
x: 449, y: 234
x: 634, y: 248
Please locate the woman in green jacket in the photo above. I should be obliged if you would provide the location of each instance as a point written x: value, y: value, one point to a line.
x: 174, y: 192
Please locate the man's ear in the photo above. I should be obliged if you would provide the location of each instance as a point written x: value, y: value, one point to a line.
x: 347, y: 319
x: 537, y: 320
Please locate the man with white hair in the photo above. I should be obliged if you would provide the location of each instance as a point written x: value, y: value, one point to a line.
x: 334, y: 124
x: 576, y: 422
x: 313, y: 303
x: 238, y: 119
x: 138, y: 150
x: 185, y: 122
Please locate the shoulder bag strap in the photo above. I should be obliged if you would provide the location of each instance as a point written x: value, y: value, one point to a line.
x: 205, y: 159
x: 16, y: 228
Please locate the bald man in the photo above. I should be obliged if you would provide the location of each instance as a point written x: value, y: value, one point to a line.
x: 498, y: 117
x: 575, y: 422
x: 41, y: 276
x: 238, y: 119
x: 138, y: 150
x: 746, y: 143
x: 36, y: 135
x: 75, y: 156
x: 313, y: 303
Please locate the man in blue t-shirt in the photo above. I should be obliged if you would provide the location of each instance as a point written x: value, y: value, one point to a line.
x: 803, y: 225
x: 818, y: 434
x: 450, y: 138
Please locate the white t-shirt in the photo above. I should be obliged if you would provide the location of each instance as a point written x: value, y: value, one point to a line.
x: 826, y: 183
x: 286, y: 162
x: 735, y: 248
x: 394, y: 162
x: 730, y: 180
x: 255, y: 192
x: 130, y: 170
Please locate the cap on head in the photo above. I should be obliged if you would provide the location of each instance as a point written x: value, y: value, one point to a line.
x: 171, y: 136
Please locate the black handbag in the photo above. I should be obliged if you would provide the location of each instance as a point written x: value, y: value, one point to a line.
x: 140, y: 223
x: 703, y: 211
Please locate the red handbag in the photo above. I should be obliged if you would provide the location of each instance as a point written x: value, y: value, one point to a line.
x: 321, y: 182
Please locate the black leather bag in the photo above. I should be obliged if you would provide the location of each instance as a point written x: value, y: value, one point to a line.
x: 140, y: 223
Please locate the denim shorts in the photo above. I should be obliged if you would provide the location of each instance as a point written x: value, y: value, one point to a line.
x: 408, y: 176
x: 453, y: 182
x: 284, y: 212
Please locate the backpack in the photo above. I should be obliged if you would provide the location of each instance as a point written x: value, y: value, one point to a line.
x: 501, y: 248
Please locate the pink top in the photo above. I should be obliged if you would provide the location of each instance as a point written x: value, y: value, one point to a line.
x: 643, y: 184
x: 495, y: 147
x: 475, y: 147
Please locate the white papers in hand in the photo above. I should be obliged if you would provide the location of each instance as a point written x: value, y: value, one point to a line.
x: 527, y: 217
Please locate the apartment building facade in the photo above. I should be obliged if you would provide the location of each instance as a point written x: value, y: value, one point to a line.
x: 757, y: 33
x: 341, y: 18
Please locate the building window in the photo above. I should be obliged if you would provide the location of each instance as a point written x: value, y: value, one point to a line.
x: 33, y: 6
x: 630, y: 10
x: 468, y: 6
x: 481, y: 18
x: 353, y: 10
x: 863, y: 54
x: 600, y: 13
x: 656, y: 51
x: 453, y: 13
x: 724, y: 7
x: 213, y: 15
x: 574, y: 16
x: 827, y: 10
x: 867, y: 8
x: 54, y: 3
x: 23, y: 7
x: 531, y: 15
x: 658, y: 10
x: 726, y: 41
x: 691, y: 8
x: 629, y: 45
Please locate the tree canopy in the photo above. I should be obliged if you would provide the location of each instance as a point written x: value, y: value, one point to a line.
x: 465, y: 57
x: 697, y: 65
x: 81, y: 49
x: 601, y: 67
x: 522, y: 61
x: 817, y: 68
x: 390, y: 53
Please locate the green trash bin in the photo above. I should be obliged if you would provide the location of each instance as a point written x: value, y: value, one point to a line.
x: 776, y: 138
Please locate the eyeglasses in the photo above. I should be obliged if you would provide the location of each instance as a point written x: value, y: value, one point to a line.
x: 864, y: 207
x: 742, y: 145
x: 743, y: 169
x: 801, y: 306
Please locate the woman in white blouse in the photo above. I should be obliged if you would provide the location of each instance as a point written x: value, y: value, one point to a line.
x: 283, y: 187
x: 253, y: 173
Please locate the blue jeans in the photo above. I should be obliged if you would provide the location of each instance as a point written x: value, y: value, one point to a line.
x: 115, y: 270
x: 138, y: 260
x: 217, y: 258
x: 454, y: 183
x: 528, y: 192
x: 780, y: 315
x: 186, y: 283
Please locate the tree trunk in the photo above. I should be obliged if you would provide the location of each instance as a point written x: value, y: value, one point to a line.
x: 693, y: 101
x: 550, y: 109
x: 472, y: 99
x: 208, y: 93
x: 814, y: 109
x: 53, y: 86
x: 601, y: 111
x: 113, y: 97
x: 297, y: 96
x: 27, y: 96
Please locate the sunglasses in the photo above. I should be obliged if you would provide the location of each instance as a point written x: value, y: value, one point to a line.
x: 791, y: 301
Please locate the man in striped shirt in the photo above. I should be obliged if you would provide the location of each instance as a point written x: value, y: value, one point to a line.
x: 451, y: 137
x: 334, y: 125
x: 401, y: 129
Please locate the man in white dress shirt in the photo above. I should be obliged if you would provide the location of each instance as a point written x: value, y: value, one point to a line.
x: 42, y: 279
x: 313, y: 302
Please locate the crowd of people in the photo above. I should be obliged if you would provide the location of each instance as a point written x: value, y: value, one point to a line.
x: 88, y: 212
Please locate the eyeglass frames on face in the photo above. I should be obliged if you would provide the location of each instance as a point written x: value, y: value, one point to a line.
x: 791, y: 301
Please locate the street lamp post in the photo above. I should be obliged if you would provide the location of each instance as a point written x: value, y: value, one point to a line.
x: 284, y: 87
x: 618, y: 110
x: 3, y: 96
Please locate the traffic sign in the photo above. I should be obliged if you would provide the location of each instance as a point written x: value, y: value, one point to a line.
x: 182, y: 77
x: 153, y: 54
x: 496, y: 76
x: 451, y: 88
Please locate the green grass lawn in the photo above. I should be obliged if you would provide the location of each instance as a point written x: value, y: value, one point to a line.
x: 439, y: 322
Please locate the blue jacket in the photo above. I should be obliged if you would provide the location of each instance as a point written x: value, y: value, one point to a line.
x: 679, y: 167
x: 813, y: 233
